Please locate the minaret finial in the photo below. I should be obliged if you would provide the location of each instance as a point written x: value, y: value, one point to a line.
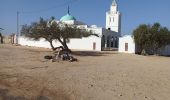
x: 114, y: 2
x: 68, y: 10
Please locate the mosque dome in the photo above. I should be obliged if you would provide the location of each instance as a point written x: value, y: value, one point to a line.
x: 67, y: 17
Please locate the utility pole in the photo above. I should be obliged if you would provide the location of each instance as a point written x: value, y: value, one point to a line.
x: 17, y: 35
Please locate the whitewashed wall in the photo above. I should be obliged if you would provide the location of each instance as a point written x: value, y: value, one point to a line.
x: 85, y: 43
x: 165, y: 51
x: 79, y: 44
x: 131, y: 45
x: 29, y: 42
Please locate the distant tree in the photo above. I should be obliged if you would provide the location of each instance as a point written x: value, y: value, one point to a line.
x: 1, y: 38
x: 50, y: 30
x: 150, y: 38
x: 160, y: 37
x: 141, y: 37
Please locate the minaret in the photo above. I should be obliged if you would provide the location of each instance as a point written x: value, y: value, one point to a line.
x: 113, y: 18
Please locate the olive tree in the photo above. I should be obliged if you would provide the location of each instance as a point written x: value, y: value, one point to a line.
x: 51, y: 31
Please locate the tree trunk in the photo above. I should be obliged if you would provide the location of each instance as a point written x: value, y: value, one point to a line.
x: 64, y: 44
x: 66, y: 47
x: 1, y: 38
x: 52, y: 47
x: 143, y: 52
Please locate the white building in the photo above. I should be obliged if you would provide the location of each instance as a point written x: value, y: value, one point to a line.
x: 126, y: 44
x: 108, y: 38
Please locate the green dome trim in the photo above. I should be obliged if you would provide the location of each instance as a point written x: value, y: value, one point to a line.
x: 67, y: 17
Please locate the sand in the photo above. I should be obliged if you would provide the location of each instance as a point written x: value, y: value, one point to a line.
x: 25, y: 75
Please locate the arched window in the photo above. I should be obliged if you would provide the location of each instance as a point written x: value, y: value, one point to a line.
x: 108, y: 41
x: 116, y: 42
x: 112, y: 41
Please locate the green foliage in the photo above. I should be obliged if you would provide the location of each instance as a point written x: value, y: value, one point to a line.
x: 150, y: 38
x: 51, y: 30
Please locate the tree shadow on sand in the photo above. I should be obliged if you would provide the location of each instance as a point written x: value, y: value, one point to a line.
x: 4, y: 96
x: 93, y: 53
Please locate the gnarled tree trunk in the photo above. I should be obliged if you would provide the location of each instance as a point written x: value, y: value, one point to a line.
x: 64, y: 44
x: 51, y: 44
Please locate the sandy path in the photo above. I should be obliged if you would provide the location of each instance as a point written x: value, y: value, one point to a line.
x: 24, y: 75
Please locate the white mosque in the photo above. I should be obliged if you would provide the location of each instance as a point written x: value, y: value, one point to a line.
x: 108, y: 36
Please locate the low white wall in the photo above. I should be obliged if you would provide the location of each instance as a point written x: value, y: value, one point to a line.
x: 85, y: 43
x: 131, y: 45
x: 165, y: 51
x: 29, y: 42
x: 79, y: 44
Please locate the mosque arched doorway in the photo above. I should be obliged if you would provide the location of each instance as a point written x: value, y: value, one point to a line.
x: 103, y: 43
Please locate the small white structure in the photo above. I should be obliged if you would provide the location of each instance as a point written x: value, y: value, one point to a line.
x: 126, y: 44
x: 108, y: 38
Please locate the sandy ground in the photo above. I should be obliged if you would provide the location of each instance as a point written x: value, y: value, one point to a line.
x: 25, y: 75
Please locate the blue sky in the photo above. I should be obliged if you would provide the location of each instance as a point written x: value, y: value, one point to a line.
x: 134, y: 12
